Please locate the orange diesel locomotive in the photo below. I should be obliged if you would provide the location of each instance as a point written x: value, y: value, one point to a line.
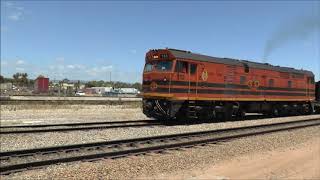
x: 181, y: 84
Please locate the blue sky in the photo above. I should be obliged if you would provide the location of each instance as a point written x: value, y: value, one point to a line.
x: 88, y: 39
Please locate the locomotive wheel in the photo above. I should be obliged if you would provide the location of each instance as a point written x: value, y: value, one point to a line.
x: 300, y: 110
x: 206, y: 116
x: 220, y: 116
x: 309, y: 110
x: 224, y: 116
x: 181, y: 118
x: 228, y: 112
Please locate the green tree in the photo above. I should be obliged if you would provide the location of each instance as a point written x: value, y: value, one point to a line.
x: 16, y: 78
x: 77, y: 85
x: 90, y: 84
x: 1, y: 79
x: 31, y: 82
x: 24, y: 79
x: 137, y: 86
x: 20, y: 79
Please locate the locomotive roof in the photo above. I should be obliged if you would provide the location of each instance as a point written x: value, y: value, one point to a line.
x: 189, y: 55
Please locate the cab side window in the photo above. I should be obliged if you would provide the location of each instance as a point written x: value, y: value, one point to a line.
x: 181, y: 67
x: 246, y: 68
x: 243, y: 80
x: 193, y: 68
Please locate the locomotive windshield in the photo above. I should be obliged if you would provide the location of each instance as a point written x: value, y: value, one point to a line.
x: 158, y: 66
x: 148, y: 67
x: 163, y: 65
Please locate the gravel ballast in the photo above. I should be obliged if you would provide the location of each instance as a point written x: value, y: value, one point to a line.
x: 37, y: 140
x: 161, y: 165
x: 48, y: 114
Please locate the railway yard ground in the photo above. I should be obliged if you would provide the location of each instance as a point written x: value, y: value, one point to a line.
x: 286, y: 154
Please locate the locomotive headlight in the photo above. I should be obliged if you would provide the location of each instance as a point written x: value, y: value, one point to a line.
x: 165, y: 79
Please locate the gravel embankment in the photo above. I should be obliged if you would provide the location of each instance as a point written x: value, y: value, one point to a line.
x: 164, y: 165
x: 69, y: 114
x: 25, y: 141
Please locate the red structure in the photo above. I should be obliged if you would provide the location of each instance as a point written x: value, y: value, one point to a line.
x: 41, y: 84
x: 179, y: 83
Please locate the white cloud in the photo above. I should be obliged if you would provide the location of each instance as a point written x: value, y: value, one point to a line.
x: 71, y: 71
x: 76, y: 66
x: 15, y: 16
x: 60, y: 59
x: 57, y: 67
x: 92, y: 72
x: 4, y: 63
x: 80, y: 66
x: 104, y: 68
x: 60, y: 67
x: 20, y: 62
x: 19, y: 69
x: 70, y: 66
x: 8, y: 4
x: 20, y: 8
x: 15, y: 13
x: 98, y: 71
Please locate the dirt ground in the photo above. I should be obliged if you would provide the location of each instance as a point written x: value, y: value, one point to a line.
x: 302, y: 162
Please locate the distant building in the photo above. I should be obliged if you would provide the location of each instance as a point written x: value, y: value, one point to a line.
x: 41, y: 84
x: 129, y: 91
x: 102, y: 90
x: 82, y: 86
x: 66, y: 85
x: 89, y: 91
x: 6, y: 86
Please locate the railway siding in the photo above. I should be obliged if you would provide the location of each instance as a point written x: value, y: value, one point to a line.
x: 75, y: 126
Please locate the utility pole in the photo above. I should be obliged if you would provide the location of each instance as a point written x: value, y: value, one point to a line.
x: 110, y: 76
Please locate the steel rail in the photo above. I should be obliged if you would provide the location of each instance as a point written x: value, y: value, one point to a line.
x: 75, y: 126
x: 16, y: 129
x: 20, y: 160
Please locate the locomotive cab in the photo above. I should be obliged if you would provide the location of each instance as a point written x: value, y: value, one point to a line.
x: 166, y: 78
x: 157, y: 74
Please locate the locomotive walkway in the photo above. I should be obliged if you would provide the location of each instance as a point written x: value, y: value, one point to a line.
x: 14, y: 161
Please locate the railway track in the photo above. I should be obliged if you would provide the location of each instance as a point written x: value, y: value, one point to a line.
x: 39, y: 128
x: 75, y: 126
x: 14, y: 161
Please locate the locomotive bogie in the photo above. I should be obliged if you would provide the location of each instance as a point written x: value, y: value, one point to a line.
x: 220, y: 110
